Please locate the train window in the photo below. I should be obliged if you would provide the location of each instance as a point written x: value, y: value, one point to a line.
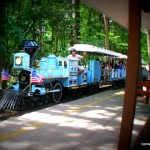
x: 60, y: 63
x: 65, y: 64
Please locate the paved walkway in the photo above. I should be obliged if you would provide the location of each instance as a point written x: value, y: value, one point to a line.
x: 90, y: 123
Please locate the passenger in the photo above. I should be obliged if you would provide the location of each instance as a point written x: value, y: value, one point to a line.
x: 121, y: 68
x: 102, y: 71
x: 103, y: 66
x: 144, y: 73
x: 107, y: 70
x: 124, y: 66
x: 73, y: 55
x: 115, y: 66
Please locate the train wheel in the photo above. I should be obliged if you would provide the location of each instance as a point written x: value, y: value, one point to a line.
x: 115, y: 85
x: 97, y: 88
x: 90, y: 89
x: 57, y: 95
x: 73, y: 93
x: 80, y: 92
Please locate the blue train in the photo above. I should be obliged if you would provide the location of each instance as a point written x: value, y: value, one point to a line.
x: 49, y: 78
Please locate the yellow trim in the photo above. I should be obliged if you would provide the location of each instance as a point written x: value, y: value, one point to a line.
x: 22, y: 130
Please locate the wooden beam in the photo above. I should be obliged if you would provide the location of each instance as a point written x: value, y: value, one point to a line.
x: 132, y: 75
x: 146, y: 93
x: 145, y: 84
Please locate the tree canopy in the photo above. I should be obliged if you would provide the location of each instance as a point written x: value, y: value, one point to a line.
x: 57, y: 25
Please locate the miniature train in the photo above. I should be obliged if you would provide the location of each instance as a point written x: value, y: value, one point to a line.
x: 48, y: 78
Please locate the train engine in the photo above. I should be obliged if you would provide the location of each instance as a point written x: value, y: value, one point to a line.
x: 34, y: 81
x: 40, y: 81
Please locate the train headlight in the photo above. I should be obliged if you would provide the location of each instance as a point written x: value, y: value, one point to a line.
x: 23, y: 78
x: 18, y: 61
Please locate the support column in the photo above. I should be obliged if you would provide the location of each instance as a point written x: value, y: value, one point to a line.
x: 132, y: 75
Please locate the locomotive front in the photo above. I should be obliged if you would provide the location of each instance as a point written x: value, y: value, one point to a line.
x: 23, y: 63
x: 13, y: 97
x: 34, y: 82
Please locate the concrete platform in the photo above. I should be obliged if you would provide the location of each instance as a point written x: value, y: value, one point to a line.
x: 89, y: 123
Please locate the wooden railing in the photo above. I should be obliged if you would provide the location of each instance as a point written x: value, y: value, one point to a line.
x: 146, y: 93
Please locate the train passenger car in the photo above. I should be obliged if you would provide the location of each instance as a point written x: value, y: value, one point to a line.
x: 113, y: 76
x: 48, y: 78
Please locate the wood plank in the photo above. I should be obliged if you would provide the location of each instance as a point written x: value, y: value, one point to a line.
x: 146, y: 84
x: 145, y: 93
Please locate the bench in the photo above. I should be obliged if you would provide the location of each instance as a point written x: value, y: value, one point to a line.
x: 146, y: 93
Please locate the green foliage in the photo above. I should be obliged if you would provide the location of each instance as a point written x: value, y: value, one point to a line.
x: 52, y: 23
x: 144, y: 47
x: 118, y: 38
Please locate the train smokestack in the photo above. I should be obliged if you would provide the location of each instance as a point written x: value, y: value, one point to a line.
x: 30, y: 47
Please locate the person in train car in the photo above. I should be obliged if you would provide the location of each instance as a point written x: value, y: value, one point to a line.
x: 120, y: 67
x: 74, y: 55
x: 144, y: 73
x: 107, y: 70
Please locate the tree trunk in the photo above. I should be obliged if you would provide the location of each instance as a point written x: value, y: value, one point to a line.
x: 106, y: 23
x: 33, y: 3
x: 71, y: 29
x: 2, y: 33
x: 77, y: 20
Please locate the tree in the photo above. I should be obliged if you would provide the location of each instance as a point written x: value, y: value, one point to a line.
x: 2, y: 33
x: 57, y: 25
x: 106, y: 23
x: 77, y: 20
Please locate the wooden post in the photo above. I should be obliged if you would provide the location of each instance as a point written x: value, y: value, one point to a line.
x: 132, y: 75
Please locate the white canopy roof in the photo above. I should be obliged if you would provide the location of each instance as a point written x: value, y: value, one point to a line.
x: 95, y: 49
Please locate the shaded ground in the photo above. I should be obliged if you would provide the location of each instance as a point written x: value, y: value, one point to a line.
x: 87, y: 123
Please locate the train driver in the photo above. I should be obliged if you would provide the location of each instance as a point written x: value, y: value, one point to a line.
x: 73, y: 55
